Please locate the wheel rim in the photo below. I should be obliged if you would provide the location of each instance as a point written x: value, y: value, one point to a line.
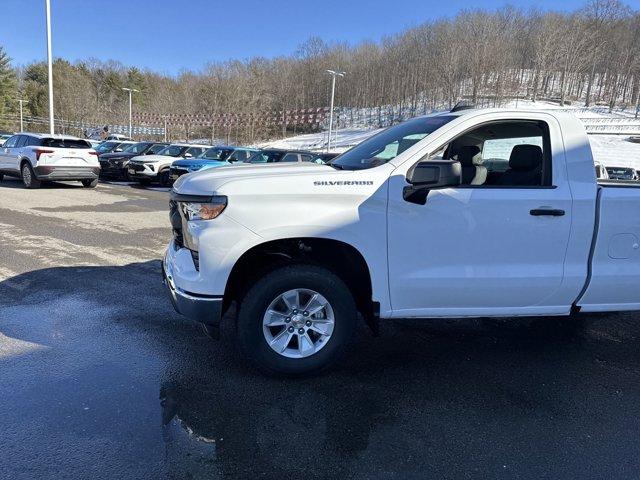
x: 26, y: 175
x: 298, y: 323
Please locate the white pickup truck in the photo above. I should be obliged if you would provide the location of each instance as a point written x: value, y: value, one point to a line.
x: 477, y: 213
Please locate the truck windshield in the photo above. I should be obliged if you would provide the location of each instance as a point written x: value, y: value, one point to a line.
x: 389, y: 143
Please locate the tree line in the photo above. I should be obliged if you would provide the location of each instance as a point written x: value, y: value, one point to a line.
x: 590, y: 55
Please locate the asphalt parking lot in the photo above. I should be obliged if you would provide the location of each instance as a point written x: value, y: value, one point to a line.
x: 99, y: 378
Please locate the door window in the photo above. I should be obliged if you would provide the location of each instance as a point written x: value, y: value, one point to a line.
x: 239, y: 156
x: 290, y: 157
x: 502, y: 154
x: 195, y: 151
x: 22, y: 139
x: 11, y: 143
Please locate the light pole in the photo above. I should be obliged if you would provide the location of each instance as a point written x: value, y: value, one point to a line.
x: 165, y: 127
x: 130, y: 90
x: 21, y: 102
x: 49, y: 66
x: 334, y: 74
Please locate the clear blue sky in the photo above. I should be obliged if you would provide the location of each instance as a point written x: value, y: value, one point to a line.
x: 172, y: 35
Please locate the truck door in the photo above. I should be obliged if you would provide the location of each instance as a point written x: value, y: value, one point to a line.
x: 493, y: 246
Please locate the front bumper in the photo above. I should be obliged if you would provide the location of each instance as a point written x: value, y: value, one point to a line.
x: 113, y: 168
x: 53, y: 172
x: 141, y: 171
x: 175, y: 173
x: 201, y: 308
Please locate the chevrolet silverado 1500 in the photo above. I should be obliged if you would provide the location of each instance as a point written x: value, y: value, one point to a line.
x: 476, y: 213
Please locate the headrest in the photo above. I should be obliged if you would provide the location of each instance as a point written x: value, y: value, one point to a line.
x: 469, y: 156
x: 525, y: 157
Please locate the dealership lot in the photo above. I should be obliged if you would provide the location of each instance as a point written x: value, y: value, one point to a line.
x: 99, y: 378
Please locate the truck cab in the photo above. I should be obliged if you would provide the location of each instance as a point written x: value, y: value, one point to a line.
x: 476, y: 213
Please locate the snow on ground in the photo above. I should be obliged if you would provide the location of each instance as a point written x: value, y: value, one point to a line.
x: 610, y: 150
x: 615, y: 151
x: 342, y: 140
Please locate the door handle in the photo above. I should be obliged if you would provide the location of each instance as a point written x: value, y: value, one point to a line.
x: 553, y: 212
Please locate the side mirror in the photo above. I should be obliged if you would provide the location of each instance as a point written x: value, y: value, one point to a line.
x: 429, y: 175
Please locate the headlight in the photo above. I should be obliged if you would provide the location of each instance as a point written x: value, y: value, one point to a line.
x: 204, y: 211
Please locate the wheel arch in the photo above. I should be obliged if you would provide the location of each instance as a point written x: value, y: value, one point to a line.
x: 24, y: 160
x: 341, y: 258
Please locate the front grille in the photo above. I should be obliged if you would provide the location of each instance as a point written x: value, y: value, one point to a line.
x: 177, y: 172
x: 176, y: 223
x: 136, y: 166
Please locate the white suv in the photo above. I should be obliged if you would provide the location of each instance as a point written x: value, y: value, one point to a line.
x: 36, y: 157
x: 147, y: 168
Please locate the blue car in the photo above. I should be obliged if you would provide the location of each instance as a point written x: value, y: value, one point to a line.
x: 211, y: 158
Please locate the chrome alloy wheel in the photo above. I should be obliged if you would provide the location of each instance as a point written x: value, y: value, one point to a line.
x: 26, y: 175
x: 298, y: 323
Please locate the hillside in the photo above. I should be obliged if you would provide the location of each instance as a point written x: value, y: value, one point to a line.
x: 611, y: 148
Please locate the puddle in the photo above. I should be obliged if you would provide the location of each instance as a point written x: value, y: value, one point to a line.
x: 188, y: 455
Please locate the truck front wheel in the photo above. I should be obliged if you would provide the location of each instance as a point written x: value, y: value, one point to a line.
x: 296, y: 320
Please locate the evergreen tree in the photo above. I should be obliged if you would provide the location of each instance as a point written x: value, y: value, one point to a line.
x: 7, y: 88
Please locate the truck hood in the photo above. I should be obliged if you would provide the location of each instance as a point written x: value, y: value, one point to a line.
x: 205, y: 182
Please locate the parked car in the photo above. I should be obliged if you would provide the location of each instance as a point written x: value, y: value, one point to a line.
x: 622, y: 173
x: 601, y: 172
x: 4, y: 137
x: 148, y: 168
x: 213, y: 157
x: 112, y: 146
x: 276, y: 155
x: 115, y: 164
x: 323, y: 157
x: 394, y: 232
x: 36, y: 157
x: 118, y: 136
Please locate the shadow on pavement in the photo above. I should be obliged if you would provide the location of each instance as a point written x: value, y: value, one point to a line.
x: 102, y: 379
x: 14, y: 182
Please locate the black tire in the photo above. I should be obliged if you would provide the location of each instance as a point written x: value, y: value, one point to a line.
x: 163, y: 178
x: 28, y: 176
x: 252, y: 342
x: 90, y: 183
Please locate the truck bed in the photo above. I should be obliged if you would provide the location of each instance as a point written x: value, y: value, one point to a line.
x: 613, y: 282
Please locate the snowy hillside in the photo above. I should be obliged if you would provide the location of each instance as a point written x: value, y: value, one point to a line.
x: 612, y: 149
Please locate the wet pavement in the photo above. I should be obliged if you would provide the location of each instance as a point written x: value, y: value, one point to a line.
x: 99, y: 378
